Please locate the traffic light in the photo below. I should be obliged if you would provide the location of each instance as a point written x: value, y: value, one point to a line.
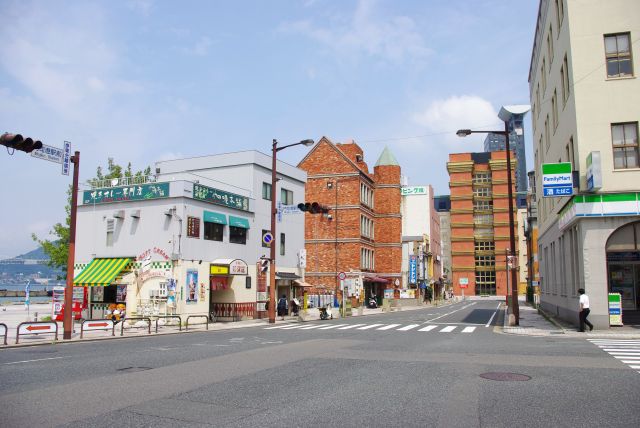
x: 18, y: 142
x: 264, y: 264
x: 313, y: 208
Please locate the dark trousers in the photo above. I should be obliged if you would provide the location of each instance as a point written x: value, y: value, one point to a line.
x: 583, y: 319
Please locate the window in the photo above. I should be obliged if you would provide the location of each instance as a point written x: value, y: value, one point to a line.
x: 366, y: 259
x: 543, y: 72
x: 263, y: 232
x: 237, y: 235
x: 485, y: 261
x: 286, y: 197
x: 483, y: 219
x: 482, y: 205
x: 625, y: 145
x: 618, y: 54
x: 484, y: 246
x: 550, y: 46
x: 266, y: 191
x: 538, y: 98
x: 213, y: 231
x: 559, y: 13
x: 554, y: 109
x: 564, y: 77
x: 482, y: 177
x: 366, y: 195
x: 282, y: 244
x: 547, y: 138
x: 486, y: 283
x: 570, y: 153
x: 366, y: 227
x: 482, y: 191
x: 110, y: 228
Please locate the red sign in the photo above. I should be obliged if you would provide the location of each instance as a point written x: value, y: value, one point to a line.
x: 97, y: 324
x: 39, y: 327
x: 463, y: 285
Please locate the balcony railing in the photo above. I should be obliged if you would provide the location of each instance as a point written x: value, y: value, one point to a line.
x: 124, y: 181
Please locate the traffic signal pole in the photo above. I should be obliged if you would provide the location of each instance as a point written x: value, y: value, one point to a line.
x: 67, y: 320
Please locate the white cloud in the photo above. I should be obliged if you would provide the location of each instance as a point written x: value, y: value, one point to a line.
x: 448, y: 115
x: 394, y: 38
x: 200, y: 48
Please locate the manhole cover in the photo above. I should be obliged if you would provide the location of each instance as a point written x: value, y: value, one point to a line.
x: 505, y: 377
x: 133, y: 369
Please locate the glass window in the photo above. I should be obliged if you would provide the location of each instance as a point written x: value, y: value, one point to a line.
x: 564, y: 76
x: 266, y: 191
x: 286, y: 197
x: 554, y: 109
x: 282, y: 244
x: 237, y: 235
x: 550, y: 46
x: 482, y: 191
x: 213, y: 231
x: 543, y: 72
x: 618, y: 55
x: 625, y: 145
x: 559, y: 13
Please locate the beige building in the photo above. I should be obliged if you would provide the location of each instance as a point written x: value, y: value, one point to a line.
x: 585, y: 109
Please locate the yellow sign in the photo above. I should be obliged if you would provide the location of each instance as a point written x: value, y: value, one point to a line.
x: 218, y: 270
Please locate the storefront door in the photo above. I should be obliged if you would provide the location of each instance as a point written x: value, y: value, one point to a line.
x: 624, y: 278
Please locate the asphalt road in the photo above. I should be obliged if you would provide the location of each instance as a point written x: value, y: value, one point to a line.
x: 408, y: 368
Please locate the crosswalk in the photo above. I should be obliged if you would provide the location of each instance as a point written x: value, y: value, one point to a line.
x: 378, y: 327
x: 625, y: 351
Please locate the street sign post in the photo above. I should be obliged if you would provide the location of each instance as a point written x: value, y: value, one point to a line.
x: 557, y: 179
x: 55, y: 154
x: 463, y: 283
x: 267, y: 238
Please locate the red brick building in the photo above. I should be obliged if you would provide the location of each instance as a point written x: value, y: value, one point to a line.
x: 362, y: 233
x: 480, y: 221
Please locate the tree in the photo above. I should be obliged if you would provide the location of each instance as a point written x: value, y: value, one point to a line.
x: 58, y: 248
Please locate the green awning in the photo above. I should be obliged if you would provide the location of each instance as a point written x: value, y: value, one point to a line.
x: 100, y: 272
x: 239, y: 222
x: 211, y: 217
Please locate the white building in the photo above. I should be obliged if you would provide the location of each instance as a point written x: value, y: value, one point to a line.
x: 188, y: 240
x: 421, y: 246
x: 585, y: 99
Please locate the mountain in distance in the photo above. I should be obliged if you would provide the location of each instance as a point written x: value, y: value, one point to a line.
x: 13, y: 272
x: 37, y: 254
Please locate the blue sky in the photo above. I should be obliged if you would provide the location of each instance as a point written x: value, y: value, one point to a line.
x: 145, y: 80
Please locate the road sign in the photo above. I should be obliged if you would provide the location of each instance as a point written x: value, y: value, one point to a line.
x: 267, y: 238
x: 342, y: 276
x: 463, y: 282
x: 29, y: 328
x: 49, y: 153
x: 67, y: 158
x: 557, y: 179
x: 615, y: 309
x: 413, y: 269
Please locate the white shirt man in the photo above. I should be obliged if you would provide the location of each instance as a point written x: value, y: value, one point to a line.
x: 584, y: 310
x: 584, y: 302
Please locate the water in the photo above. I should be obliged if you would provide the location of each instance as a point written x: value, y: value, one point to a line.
x: 20, y: 287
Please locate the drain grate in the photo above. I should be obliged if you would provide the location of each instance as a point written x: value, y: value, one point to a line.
x: 505, y: 377
x: 133, y: 369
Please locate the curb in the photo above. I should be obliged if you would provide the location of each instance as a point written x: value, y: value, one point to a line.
x: 551, y: 319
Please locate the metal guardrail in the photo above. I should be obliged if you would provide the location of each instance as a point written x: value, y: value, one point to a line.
x: 98, y: 324
x: 6, y: 330
x: 158, y: 317
x: 147, y: 319
x: 206, y: 317
x: 36, y: 327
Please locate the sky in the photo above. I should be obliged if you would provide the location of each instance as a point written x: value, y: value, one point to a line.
x: 144, y: 80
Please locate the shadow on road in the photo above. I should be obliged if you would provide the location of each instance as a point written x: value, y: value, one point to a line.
x: 479, y: 316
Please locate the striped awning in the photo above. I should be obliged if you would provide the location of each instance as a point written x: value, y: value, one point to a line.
x: 100, y: 272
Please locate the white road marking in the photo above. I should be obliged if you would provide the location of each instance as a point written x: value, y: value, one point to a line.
x: 408, y: 327
x: 332, y: 326
x: 291, y: 327
x: 350, y: 326
x: 468, y: 329
x: 448, y: 329
x: 635, y: 367
x: 309, y: 327
x: 278, y: 326
x: 492, y: 316
x: 449, y: 313
x: 428, y: 328
x: 31, y: 361
x: 387, y: 327
x: 626, y: 357
x: 367, y: 327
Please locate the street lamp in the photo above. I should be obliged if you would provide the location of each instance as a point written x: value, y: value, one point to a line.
x: 512, y: 238
x: 274, y: 212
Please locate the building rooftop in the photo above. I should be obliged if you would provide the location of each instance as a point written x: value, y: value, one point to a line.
x: 387, y: 158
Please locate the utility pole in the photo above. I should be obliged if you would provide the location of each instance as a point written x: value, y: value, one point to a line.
x: 67, y: 320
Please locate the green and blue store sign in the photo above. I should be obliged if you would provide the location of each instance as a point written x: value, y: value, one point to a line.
x: 604, y: 205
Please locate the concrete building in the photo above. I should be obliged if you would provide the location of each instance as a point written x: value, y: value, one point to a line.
x: 443, y: 207
x: 189, y: 238
x: 421, y: 243
x: 585, y: 99
x: 479, y: 222
x: 362, y: 233
x: 514, y: 116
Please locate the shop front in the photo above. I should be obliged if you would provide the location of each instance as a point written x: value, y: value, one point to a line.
x: 374, y: 286
x: 108, y: 281
x: 231, y: 293
x: 623, y: 265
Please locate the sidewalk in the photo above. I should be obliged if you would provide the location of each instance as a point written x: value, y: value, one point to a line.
x: 13, y: 315
x: 534, y: 323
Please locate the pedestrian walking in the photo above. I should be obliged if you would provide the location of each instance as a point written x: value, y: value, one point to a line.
x: 584, y: 310
x: 282, y: 306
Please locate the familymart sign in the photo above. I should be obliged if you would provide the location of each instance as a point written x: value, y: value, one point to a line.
x: 557, y: 179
